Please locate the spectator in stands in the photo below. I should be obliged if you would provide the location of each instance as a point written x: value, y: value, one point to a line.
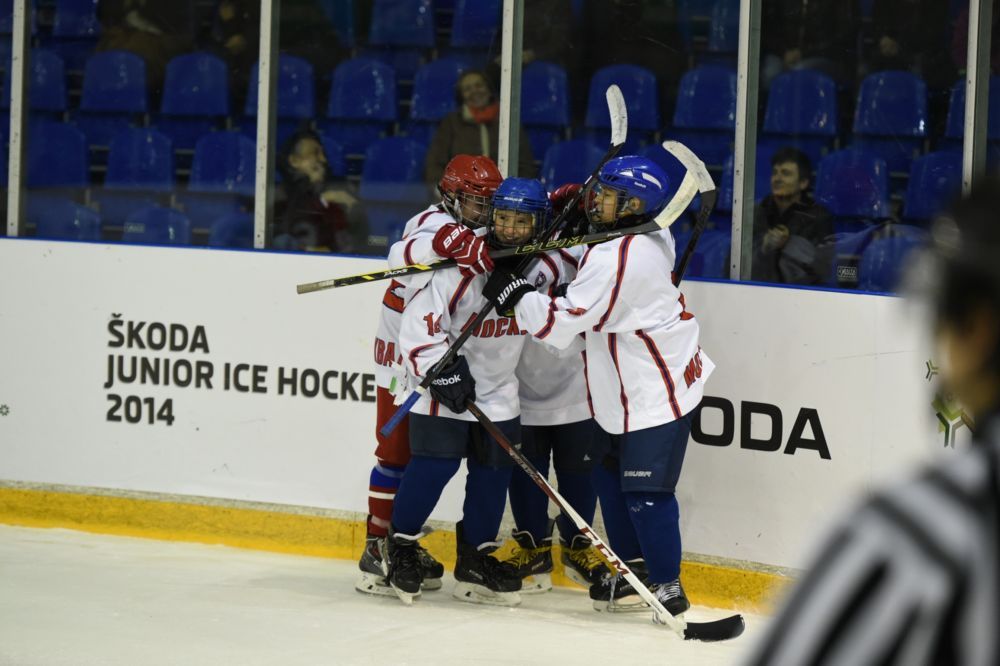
x: 157, y: 31
x: 473, y: 129
x: 960, y: 40
x: 311, y: 213
x: 907, y: 34
x: 304, y: 31
x: 788, y: 225
x: 631, y: 32
x: 805, y: 34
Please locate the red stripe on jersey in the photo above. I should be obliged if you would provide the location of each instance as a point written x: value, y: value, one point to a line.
x: 586, y: 380
x: 459, y: 292
x: 549, y: 322
x: 613, y: 348
x: 568, y: 258
x: 406, y: 252
x: 654, y: 351
x: 413, y: 356
x: 586, y: 255
x: 391, y: 300
x: 424, y: 217
x: 622, y: 259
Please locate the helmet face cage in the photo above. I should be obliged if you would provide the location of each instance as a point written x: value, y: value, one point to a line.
x: 605, y: 205
x: 472, y: 210
x: 510, y: 227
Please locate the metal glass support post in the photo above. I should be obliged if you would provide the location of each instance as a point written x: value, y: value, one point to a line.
x: 745, y: 157
x: 977, y: 93
x: 267, y: 79
x: 510, y: 86
x: 18, y: 94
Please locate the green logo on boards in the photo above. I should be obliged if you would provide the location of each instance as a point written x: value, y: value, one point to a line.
x: 950, y: 415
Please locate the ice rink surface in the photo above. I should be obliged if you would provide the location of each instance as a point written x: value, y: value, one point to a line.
x: 76, y: 599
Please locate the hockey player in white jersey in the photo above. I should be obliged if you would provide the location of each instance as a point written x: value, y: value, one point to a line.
x: 443, y: 231
x: 556, y: 422
x: 442, y: 432
x: 645, y: 370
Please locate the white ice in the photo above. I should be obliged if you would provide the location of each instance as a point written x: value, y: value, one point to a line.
x: 76, y: 599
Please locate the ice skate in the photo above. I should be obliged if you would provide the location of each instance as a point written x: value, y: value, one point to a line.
x: 584, y: 565
x: 672, y: 596
x: 613, y: 594
x: 402, y: 566
x: 533, y: 562
x: 483, y: 579
x: 372, y: 578
x: 430, y: 568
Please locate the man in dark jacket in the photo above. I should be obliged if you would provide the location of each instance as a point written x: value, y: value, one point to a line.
x: 788, y: 224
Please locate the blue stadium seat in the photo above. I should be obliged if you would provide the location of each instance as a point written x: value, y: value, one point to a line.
x: 853, y: 185
x: 433, y: 96
x: 157, y: 225
x: 222, y: 177
x: 724, y: 33
x: 802, y: 111
x: 402, y: 23
x: 885, y: 257
x: 342, y: 15
x: 693, y: 14
x: 638, y: 86
x: 955, y: 123
x: 475, y: 23
x: 140, y: 172
x: 47, y: 87
x: 710, y: 258
x: 362, y: 103
x: 335, y: 160
x: 195, y: 98
x: 296, y: 89
x: 392, y: 187
x: 705, y: 115
x: 75, y: 19
x: 569, y: 162
x: 935, y: 179
x: 114, y: 92
x: 62, y: 219
x: 404, y: 61
x: 890, y: 118
x: 57, y: 156
x: 7, y: 17
x: 544, y: 104
x: 232, y: 230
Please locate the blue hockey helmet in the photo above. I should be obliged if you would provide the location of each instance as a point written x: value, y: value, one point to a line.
x: 520, y: 212
x: 628, y: 187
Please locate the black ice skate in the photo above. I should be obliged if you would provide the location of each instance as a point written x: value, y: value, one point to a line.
x: 533, y: 562
x: 430, y: 568
x: 372, y: 578
x: 483, y: 579
x: 614, y: 594
x: 584, y: 565
x: 672, y: 596
x: 402, y: 566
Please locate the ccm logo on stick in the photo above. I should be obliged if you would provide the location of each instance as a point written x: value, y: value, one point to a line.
x: 796, y: 437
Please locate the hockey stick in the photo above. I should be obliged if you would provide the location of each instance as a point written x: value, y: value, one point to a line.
x: 619, y: 131
x: 708, y: 192
x: 719, y: 630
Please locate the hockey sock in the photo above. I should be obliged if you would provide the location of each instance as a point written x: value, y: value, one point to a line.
x: 485, y: 499
x: 420, y: 491
x: 528, y: 503
x: 656, y: 517
x: 382, y: 487
x: 578, y: 489
x: 617, y: 523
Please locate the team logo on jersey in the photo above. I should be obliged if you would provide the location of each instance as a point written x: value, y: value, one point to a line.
x: 539, y: 279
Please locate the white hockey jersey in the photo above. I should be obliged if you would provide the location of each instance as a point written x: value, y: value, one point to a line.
x: 436, y: 316
x: 414, y: 247
x: 643, y: 363
x: 553, y: 390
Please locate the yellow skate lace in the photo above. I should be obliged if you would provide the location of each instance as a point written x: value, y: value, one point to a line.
x: 519, y: 557
x: 587, y: 558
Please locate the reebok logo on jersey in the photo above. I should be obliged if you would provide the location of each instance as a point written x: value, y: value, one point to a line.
x: 447, y: 381
x: 638, y: 473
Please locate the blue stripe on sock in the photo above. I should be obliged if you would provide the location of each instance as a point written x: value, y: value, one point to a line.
x: 380, y: 479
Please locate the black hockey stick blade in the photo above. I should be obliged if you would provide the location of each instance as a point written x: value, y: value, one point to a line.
x: 717, y: 630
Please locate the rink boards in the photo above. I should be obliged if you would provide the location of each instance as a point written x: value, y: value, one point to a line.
x: 194, y: 372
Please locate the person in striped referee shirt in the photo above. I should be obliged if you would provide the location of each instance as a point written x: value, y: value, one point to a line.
x: 911, y: 577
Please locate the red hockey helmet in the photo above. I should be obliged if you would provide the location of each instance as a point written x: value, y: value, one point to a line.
x: 467, y: 187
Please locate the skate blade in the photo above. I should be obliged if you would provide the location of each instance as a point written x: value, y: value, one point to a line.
x: 478, y: 594
x: 536, y: 584
x: 430, y: 584
x: 404, y: 596
x: 618, y: 607
x: 369, y: 583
